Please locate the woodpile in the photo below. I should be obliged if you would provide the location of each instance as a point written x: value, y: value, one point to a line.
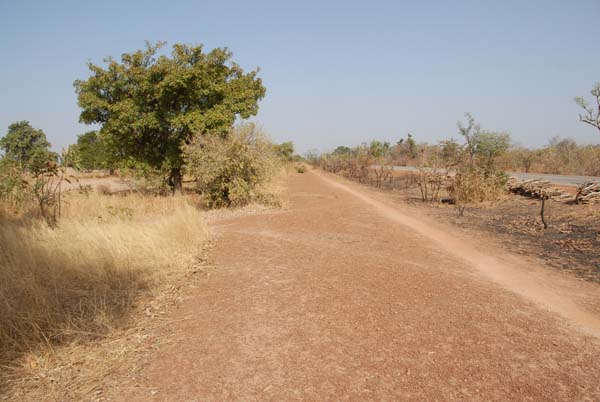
x: 588, y: 192
x: 537, y: 188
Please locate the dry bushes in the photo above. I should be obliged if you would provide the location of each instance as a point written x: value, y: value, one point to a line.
x: 560, y: 156
x: 430, y: 183
x: 470, y: 186
x: 80, y: 278
x: 230, y: 170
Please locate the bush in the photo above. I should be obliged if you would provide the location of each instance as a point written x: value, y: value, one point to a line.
x: 471, y: 185
x: 228, y: 170
x: 300, y: 168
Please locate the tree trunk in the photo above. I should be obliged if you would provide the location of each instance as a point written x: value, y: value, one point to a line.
x: 544, y: 198
x: 175, y: 179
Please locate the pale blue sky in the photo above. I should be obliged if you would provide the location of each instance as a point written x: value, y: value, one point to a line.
x: 338, y: 72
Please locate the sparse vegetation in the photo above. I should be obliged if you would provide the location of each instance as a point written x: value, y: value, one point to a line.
x: 228, y: 170
x: 79, y: 278
x: 75, y: 262
x: 150, y: 105
x: 468, y: 173
x: 560, y: 156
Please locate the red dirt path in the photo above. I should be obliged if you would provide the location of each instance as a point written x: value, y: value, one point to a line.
x: 344, y: 296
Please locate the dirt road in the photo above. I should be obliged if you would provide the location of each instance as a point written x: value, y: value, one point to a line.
x: 344, y: 296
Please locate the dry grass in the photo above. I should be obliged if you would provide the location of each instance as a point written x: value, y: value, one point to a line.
x: 79, y: 304
x: 79, y: 281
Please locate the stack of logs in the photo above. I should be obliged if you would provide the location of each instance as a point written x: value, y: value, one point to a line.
x: 537, y: 188
x: 588, y: 193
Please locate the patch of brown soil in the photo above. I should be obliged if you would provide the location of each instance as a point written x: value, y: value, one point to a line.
x: 346, y: 296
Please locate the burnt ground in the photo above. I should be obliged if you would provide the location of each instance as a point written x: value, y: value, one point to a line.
x: 571, y: 242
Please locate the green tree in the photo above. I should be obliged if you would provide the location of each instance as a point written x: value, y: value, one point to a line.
x: 470, y: 132
x: 27, y: 146
x: 92, y: 153
x: 411, y: 146
x: 342, y: 150
x: 489, y: 145
x: 592, y: 112
x: 405, y: 149
x: 149, y: 106
x: 485, y: 145
x: 285, y: 150
x: 379, y: 149
x: 451, y: 152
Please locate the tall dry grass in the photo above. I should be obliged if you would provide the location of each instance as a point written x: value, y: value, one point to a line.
x: 81, y: 278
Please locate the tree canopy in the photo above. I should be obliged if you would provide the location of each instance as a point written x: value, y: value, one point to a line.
x: 91, y: 152
x: 150, y: 105
x: 342, y: 150
x: 285, y: 150
x: 486, y: 145
x: 27, y: 146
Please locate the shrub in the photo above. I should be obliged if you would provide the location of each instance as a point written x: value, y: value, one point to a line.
x: 300, y: 168
x: 228, y: 170
x: 471, y: 185
x: 47, y: 193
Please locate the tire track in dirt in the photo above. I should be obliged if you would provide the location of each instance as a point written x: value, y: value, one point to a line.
x: 519, y: 280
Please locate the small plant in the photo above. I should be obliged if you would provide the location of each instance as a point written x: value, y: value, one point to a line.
x: 430, y: 183
x: 15, y: 191
x: 47, y: 191
x: 300, y: 168
x: 382, y: 173
x: 431, y: 177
